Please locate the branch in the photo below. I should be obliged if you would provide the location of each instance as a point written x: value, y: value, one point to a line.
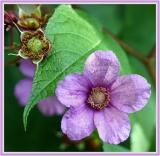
x: 13, y: 47
x: 151, y: 55
x: 151, y: 71
x: 15, y: 61
x: 150, y: 58
x: 126, y: 47
x: 147, y: 61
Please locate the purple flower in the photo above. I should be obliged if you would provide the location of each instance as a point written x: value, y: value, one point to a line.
x: 22, y: 90
x: 27, y: 68
x: 100, y: 98
x: 49, y: 106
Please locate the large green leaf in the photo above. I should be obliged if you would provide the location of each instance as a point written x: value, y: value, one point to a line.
x: 73, y: 37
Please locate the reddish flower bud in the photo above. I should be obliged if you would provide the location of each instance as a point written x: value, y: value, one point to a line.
x: 9, y: 18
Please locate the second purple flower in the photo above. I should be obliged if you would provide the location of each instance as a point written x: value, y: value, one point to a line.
x: 49, y: 106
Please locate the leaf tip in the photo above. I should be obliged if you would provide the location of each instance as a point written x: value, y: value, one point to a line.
x: 25, y: 120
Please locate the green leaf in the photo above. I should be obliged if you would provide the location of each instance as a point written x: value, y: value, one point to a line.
x: 114, y: 148
x: 139, y: 142
x: 73, y: 38
x: 90, y: 19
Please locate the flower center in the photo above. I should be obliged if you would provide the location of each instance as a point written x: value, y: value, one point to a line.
x: 98, y: 98
x: 35, y: 45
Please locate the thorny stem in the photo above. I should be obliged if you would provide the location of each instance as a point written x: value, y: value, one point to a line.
x: 146, y: 60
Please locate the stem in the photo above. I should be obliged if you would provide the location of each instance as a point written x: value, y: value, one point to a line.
x: 150, y: 58
x: 126, y: 47
x: 13, y: 21
x: 15, y: 61
x: 146, y: 60
x: 151, y: 71
x: 151, y: 55
x: 11, y: 39
x: 14, y: 47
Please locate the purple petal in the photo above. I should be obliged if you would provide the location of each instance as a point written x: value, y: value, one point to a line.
x: 22, y: 91
x: 130, y: 93
x: 73, y: 90
x: 113, y: 125
x: 102, y: 67
x: 51, y: 106
x: 78, y: 123
x: 27, y: 67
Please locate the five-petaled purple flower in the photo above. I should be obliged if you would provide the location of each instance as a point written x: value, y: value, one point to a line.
x: 100, y: 98
x: 49, y: 106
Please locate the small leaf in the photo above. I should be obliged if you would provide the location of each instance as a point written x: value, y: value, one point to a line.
x: 28, y: 8
x: 114, y: 148
x: 139, y: 142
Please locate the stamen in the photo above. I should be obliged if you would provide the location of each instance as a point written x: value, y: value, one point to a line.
x: 99, y: 98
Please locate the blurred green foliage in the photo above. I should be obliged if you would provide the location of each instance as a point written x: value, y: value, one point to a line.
x: 134, y: 24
